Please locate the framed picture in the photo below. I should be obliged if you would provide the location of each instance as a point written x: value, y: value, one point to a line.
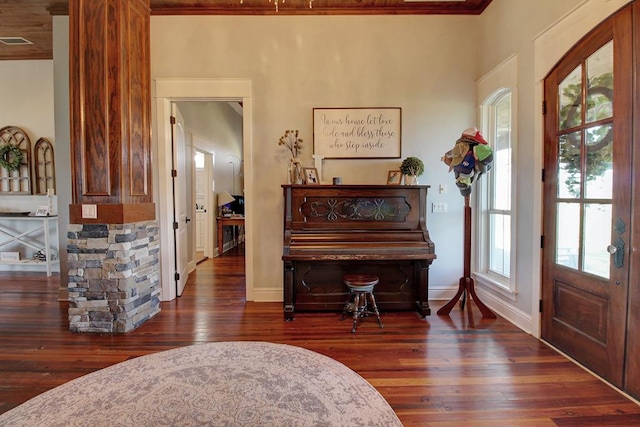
x: 9, y: 256
x: 42, y: 211
x: 394, y: 177
x: 357, y: 133
x: 311, y: 176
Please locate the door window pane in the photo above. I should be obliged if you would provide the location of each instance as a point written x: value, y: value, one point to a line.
x: 568, y: 234
x: 570, y: 94
x: 600, y: 89
x: 569, y: 172
x: 599, y: 175
x: 597, y: 235
x: 585, y: 166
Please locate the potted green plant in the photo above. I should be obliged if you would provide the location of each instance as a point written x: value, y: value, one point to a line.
x: 411, y: 168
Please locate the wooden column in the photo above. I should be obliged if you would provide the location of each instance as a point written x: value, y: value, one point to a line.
x: 110, y: 110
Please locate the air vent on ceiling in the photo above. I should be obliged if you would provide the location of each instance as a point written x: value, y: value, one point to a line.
x: 12, y: 41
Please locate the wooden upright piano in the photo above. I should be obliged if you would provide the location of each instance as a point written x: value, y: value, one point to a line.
x: 330, y: 230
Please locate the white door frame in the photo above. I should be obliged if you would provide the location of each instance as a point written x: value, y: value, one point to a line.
x: 167, y: 91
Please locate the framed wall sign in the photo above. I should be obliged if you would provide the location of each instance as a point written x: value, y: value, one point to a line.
x: 357, y: 133
x: 42, y: 211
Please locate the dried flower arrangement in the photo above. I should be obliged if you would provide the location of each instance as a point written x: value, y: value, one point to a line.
x: 291, y: 140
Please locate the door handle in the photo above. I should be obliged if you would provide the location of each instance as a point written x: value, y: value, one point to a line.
x: 187, y: 220
x: 616, y: 248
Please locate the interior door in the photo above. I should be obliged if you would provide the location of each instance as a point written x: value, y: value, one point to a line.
x: 180, y: 206
x: 587, y: 198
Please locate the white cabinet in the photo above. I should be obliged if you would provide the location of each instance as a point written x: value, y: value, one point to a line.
x: 33, y: 233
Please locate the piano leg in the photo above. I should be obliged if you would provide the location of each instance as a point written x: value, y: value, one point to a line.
x: 423, y: 288
x: 289, y: 313
x: 289, y: 307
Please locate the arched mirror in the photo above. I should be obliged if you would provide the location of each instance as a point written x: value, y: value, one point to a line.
x: 15, y: 161
x: 44, y: 167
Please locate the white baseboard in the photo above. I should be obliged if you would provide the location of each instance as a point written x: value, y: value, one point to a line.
x: 267, y: 295
x: 514, y: 315
x: 519, y: 318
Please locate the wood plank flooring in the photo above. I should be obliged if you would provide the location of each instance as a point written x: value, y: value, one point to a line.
x: 436, y: 371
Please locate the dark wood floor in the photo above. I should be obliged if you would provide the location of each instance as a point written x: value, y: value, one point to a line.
x: 436, y: 371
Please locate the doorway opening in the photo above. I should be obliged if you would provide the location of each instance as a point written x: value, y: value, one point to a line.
x: 167, y: 92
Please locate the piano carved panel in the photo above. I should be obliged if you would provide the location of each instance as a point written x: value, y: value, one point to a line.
x: 333, y: 230
x: 335, y: 209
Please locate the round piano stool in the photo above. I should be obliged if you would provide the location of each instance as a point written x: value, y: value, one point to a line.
x: 360, y: 288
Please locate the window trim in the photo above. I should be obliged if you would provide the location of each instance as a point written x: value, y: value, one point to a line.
x: 496, y: 280
x: 505, y: 286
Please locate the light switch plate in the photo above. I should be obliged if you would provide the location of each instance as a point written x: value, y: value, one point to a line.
x: 439, y: 208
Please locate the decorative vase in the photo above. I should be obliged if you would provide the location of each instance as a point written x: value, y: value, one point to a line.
x: 295, y: 171
x: 410, y: 180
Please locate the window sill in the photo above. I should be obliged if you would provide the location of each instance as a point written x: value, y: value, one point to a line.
x: 495, y: 285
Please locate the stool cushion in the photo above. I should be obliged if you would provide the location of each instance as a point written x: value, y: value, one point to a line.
x: 359, y: 280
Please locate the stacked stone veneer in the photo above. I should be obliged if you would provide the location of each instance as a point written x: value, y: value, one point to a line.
x: 114, y: 276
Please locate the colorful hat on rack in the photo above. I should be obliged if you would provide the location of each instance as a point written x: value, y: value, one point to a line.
x: 470, y: 157
x: 474, y: 134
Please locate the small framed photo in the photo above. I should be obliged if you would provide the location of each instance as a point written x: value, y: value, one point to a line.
x: 311, y: 176
x: 394, y: 177
x: 42, y: 211
x: 9, y: 256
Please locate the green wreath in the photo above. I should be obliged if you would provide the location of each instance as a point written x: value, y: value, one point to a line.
x: 11, y: 157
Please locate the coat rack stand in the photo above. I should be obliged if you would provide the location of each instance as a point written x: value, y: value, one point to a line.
x: 466, y: 287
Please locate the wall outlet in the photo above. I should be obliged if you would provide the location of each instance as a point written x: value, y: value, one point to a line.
x: 90, y: 211
x: 439, y: 208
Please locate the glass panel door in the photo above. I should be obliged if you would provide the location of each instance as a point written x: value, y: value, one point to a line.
x: 587, y: 196
x: 585, y: 166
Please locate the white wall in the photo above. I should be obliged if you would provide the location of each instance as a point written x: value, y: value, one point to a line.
x: 63, y: 134
x: 26, y: 95
x: 423, y: 64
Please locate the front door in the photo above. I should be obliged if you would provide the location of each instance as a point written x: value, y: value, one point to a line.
x: 587, y: 198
